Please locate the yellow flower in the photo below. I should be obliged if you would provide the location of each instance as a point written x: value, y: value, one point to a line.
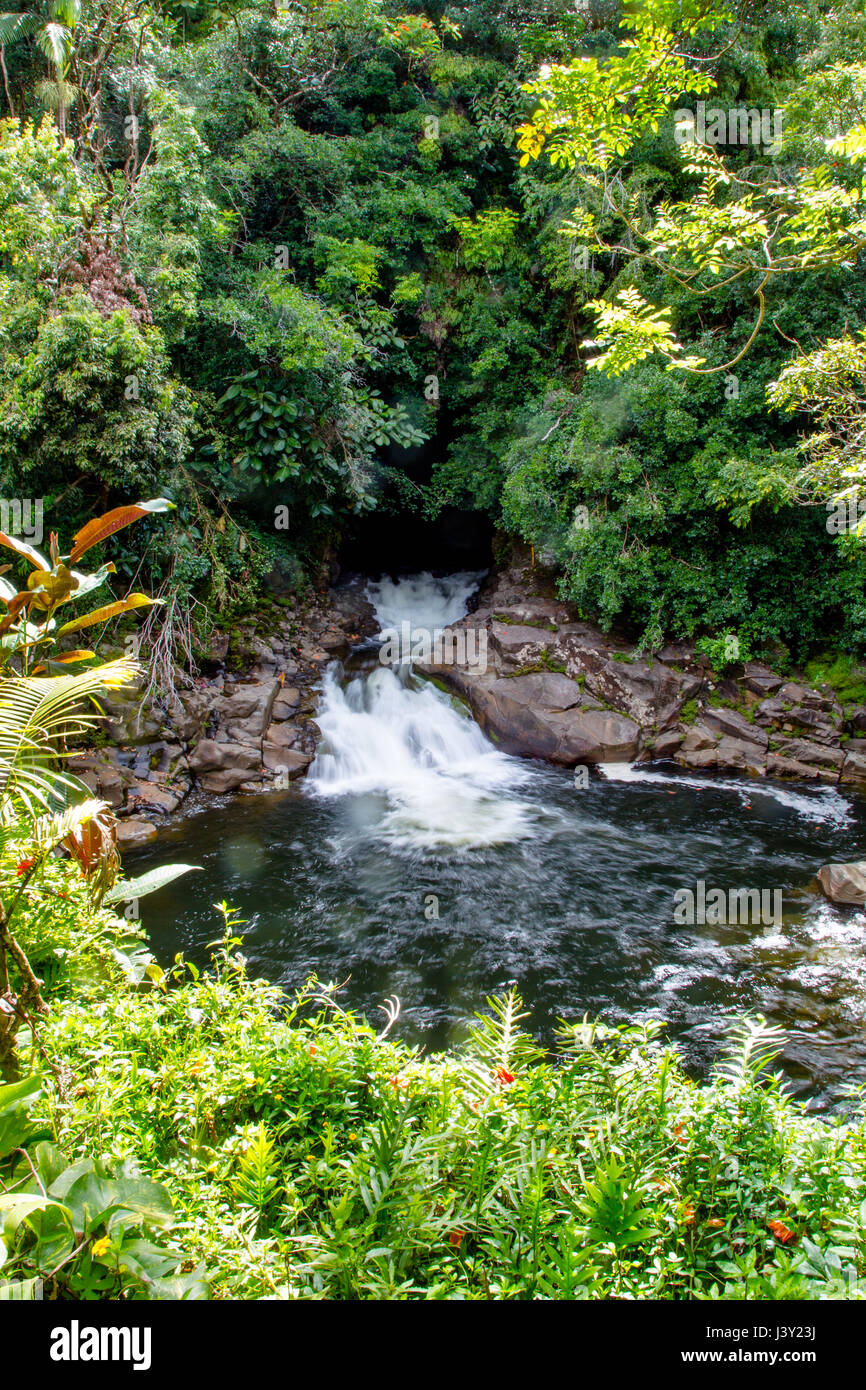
x: 100, y: 1246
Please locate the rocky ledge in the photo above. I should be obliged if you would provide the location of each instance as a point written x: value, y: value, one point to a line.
x: 559, y: 688
x: 225, y: 730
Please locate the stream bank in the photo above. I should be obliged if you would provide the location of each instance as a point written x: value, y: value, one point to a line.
x: 552, y: 686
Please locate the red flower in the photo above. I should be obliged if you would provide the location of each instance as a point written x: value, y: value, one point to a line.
x: 503, y: 1076
x: 781, y: 1232
x: 312, y: 1049
x: 456, y: 1238
x: 24, y: 867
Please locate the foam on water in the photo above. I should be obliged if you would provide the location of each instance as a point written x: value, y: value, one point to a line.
x: 825, y: 804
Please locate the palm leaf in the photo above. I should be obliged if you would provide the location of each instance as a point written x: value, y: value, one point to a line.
x: 36, y: 714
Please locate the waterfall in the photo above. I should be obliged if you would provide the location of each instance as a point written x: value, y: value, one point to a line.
x: 389, y: 735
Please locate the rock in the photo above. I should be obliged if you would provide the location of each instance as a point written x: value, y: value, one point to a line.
x: 733, y: 725
x: 746, y: 757
x: 148, y: 795
x: 648, y: 692
x: 517, y: 645
x: 676, y: 653
x: 770, y: 712
x: 778, y: 766
x: 511, y: 712
x: 796, y: 694
x: 135, y: 832
x: 244, y: 714
x: 854, y: 769
x: 759, y: 679
x: 281, y: 735
x: 289, y: 761
x: 698, y: 758
x: 844, y: 883
x: 286, y: 702
x: 220, y: 767
x: 856, y: 718
x: 803, y: 751
x: 667, y: 744
x: 698, y: 737
x: 820, y: 726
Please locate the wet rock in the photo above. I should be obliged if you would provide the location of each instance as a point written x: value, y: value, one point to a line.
x: 844, y: 883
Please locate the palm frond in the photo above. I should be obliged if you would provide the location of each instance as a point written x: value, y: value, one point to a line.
x: 36, y: 715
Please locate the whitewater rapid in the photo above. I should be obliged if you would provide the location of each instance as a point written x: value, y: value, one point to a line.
x: 389, y: 734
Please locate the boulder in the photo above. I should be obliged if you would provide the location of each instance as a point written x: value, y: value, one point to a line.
x: 290, y: 761
x: 244, y: 711
x: 221, y: 767
x: 844, y: 883
x: 517, y: 645
x: 854, y: 769
x: 698, y: 758
x: 286, y: 702
x: 759, y: 679
x: 733, y: 725
x: 779, y: 766
x: 538, y: 715
x: 135, y: 832
x: 745, y: 757
x: 804, y: 751
x: 698, y: 736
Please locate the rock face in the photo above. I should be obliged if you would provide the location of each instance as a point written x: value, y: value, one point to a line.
x: 224, y: 731
x: 558, y: 688
x: 844, y: 883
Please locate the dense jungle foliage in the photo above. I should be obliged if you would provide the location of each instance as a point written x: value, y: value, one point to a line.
x: 290, y: 264
x: 283, y: 267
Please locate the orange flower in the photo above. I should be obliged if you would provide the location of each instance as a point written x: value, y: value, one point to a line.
x: 455, y: 1238
x: 689, y: 1216
x: 24, y: 867
x: 715, y: 1221
x: 399, y: 1081
x: 678, y: 1134
x: 503, y: 1076
x: 312, y: 1049
x: 781, y: 1232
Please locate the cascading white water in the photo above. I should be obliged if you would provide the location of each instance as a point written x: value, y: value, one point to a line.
x: 389, y: 733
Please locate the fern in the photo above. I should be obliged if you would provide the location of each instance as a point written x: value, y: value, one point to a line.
x: 257, y: 1181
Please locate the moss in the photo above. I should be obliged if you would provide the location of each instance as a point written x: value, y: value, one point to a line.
x: 689, y: 712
